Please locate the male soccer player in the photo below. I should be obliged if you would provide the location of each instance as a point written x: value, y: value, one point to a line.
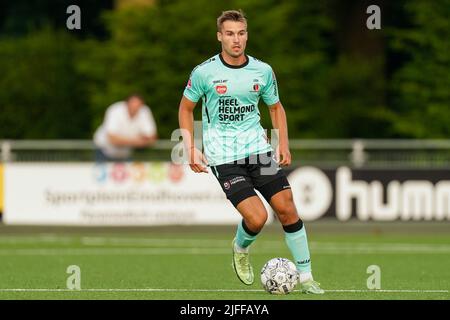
x: 230, y: 85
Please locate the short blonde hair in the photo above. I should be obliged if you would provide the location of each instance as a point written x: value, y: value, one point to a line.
x: 230, y: 15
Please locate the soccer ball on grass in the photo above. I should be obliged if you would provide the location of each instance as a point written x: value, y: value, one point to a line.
x: 279, y: 276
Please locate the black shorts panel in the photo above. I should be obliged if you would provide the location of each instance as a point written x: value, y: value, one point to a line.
x: 265, y: 170
x: 232, y: 178
x: 242, y: 194
x: 273, y: 187
x: 259, y: 172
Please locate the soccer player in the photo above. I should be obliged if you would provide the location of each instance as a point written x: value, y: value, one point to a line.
x: 236, y: 149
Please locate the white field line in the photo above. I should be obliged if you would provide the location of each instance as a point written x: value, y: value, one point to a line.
x: 279, y: 245
x: 317, y: 249
x: 213, y: 290
x: 214, y: 243
x: 266, y: 245
x: 112, y: 251
x: 37, y: 239
x: 148, y: 246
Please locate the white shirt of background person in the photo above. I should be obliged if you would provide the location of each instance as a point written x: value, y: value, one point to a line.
x: 127, y: 124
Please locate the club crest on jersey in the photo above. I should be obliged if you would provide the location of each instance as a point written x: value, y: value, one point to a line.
x: 221, y: 89
x: 256, y: 87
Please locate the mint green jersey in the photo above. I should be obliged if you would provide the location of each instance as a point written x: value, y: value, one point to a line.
x: 230, y: 115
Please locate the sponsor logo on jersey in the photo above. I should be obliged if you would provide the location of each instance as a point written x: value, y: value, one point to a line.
x: 221, y: 89
x: 230, y: 110
x: 226, y: 185
x: 189, y: 84
x: 220, y: 81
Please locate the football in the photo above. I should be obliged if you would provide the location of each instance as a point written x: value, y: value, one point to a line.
x: 279, y: 276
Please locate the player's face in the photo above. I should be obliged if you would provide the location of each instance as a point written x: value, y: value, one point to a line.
x: 134, y: 104
x: 233, y: 37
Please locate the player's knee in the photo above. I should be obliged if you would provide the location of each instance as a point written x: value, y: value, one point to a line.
x: 257, y: 221
x: 287, y: 214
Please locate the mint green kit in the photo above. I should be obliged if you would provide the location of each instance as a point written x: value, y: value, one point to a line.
x: 230, y: 115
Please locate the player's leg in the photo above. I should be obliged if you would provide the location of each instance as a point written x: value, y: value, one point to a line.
x: 295, y: 236
x: 238, y: 188
x: 295, y: 232
x: 254, y: 216
x: 276, y: 189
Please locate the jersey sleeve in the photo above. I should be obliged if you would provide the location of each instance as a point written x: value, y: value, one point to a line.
x: 194, y: 87
x: 270, y: 90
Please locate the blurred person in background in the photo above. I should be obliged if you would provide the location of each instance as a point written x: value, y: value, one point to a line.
x: 127, y: 125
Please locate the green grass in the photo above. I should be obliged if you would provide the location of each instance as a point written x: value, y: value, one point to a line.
x: 182, y: 263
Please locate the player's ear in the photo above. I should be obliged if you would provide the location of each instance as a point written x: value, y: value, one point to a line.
x: 219, y: 36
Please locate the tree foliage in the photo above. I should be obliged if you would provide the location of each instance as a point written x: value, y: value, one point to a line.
x: 41, y: 95
x: 332, y: 82
x: 421, y: 87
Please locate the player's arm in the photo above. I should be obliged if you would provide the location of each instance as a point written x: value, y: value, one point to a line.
x: 197, y: 160
x: 279, y: 122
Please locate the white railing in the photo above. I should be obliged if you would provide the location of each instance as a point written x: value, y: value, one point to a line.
x: 328, y: 152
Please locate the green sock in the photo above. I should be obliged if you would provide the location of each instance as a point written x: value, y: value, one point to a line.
x: 297, y: 242
x: 244, y: 237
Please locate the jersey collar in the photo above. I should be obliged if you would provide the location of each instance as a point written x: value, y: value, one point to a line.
x: 233, y: 66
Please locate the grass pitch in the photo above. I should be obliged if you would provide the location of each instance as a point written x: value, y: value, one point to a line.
x: 194, y: 263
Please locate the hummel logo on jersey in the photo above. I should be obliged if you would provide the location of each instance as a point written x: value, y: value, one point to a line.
x: 220, y: 81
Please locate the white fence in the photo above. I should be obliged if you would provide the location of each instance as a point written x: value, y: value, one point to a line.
x: 358, y: 153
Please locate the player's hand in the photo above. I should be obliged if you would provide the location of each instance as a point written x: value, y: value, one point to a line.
x: 197, y: 161
x: 283, y: 156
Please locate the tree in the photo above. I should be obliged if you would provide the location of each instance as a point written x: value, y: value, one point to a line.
x: 420, y: 87
x: 153, y: 50
x: 42, y: 94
